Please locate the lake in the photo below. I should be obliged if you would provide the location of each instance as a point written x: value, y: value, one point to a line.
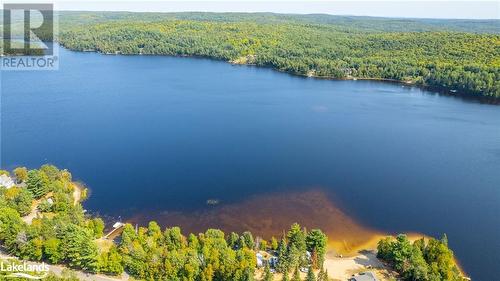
x: 151, y: 135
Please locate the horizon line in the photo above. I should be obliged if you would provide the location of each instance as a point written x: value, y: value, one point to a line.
x: 422, y: 9
x: 276, y: 13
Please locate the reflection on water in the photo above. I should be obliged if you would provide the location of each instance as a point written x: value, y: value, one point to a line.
x: 269, y: 215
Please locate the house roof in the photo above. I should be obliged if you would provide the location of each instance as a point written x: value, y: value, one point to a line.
x: 6, y: 181
x: 365, y: 276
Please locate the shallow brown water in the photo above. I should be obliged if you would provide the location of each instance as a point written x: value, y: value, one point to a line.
x: 269, y: 215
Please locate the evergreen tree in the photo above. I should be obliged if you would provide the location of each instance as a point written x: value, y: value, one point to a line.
x: 37, y: 183
x: 283, y: 264
x: 241, y: 243
x: 417, y: 269
x: 296, y: 275
x: 322, y: 275
x: 310, y: 274
x: 316, y: 242
x: 22, y: 201
x: 296, y: 236
x: 293, y: 257
x: 248, y: 275
x: 268, y: 276
x: 285, y: 276
x: 79, y: 248
x: 52, y: 250
x: 233, y: 239
x: 325, y: 277
x: 174, y: 240
x: 248, y: 238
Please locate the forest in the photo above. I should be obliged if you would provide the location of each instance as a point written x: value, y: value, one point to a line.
x: 61, y: 232
x: 460, y: 57
x: 421, y: 260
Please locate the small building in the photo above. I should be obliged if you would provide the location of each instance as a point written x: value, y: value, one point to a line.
x: 6, y: 181
x: 364, y: 276
x: 260, y: 259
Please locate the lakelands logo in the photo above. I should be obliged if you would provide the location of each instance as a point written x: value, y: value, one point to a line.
x: 28, y: 36
x: 25, y: 270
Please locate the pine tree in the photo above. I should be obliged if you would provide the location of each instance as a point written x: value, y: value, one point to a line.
x: 296, y: 236
x: 285, y: 276
x: 37, y: 183
x: 293, y: 257
x: 232, y: 240
x: 321, y: 274
x: 248, y: 238
x: 114, y: 262
x: 325, y: 277
x: 310, y: 275
x: 296, y: 275
x: 268, y: 276
x: 282, y: 265
x: 248, y: 275
x: 79, y: 248
x: 316, y: 242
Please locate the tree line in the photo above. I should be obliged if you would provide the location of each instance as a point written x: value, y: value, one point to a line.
x: 62, y: 232
x: 460, y: 62
x: 152, y: 254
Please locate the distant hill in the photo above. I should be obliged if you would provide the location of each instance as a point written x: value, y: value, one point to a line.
x: 348, y: 22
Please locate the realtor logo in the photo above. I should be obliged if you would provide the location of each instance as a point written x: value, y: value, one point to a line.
x: 29, y: 271
x: 28, y: 36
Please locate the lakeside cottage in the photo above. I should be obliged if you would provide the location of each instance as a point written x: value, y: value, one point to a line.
x: 6, y: 181
x: 264, y: 257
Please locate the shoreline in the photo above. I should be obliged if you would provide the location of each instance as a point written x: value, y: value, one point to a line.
x: 351, y: 246
x: 267, y: 215
x: 351, y: 250
x: 436, y: 89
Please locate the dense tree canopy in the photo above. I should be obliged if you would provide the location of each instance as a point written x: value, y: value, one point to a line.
x: 425, y: 259
x: 59, y: 232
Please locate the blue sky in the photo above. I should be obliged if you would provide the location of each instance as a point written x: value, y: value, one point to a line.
x: 419, y: 9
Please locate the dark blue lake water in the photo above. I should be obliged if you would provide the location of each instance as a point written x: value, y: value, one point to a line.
x: 148, y: 134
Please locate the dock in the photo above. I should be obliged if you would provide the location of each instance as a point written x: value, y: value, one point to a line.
x: 115, y: 232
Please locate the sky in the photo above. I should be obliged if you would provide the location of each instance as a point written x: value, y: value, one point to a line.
x: 410, y: 9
